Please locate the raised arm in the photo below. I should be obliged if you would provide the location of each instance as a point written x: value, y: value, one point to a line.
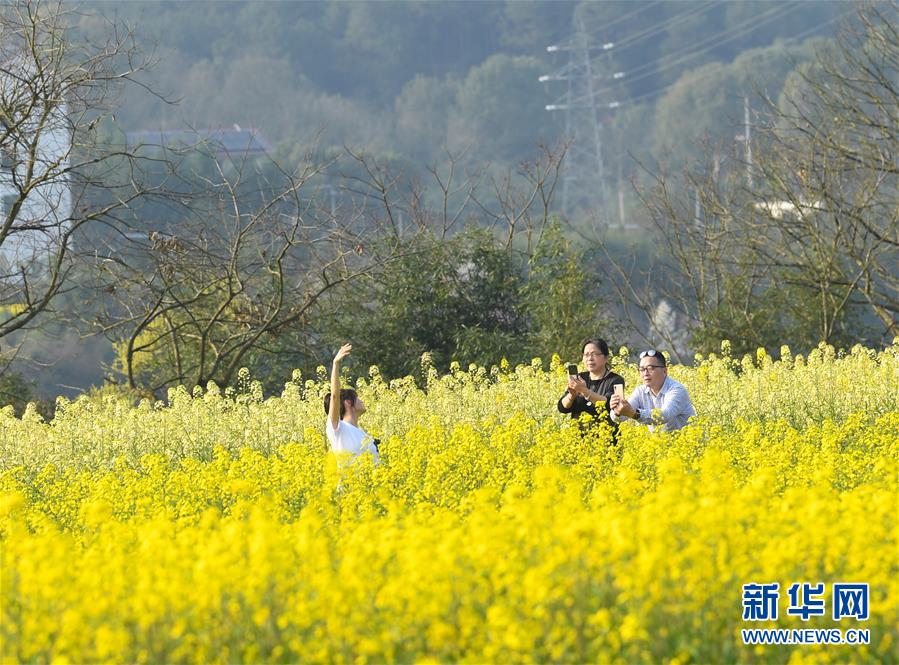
x: 334, y: 407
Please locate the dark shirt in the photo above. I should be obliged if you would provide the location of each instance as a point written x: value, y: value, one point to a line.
x: 602, y: 387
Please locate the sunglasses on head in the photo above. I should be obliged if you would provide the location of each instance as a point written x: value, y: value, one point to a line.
x: 653, y: 353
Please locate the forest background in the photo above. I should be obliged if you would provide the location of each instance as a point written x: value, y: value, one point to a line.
x: 437, y: 112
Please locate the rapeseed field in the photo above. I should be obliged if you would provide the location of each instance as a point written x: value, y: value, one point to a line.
x: 217, y: 527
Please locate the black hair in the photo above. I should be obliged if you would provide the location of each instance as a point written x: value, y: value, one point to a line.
x: 598, y: 342
x: 345, y: 394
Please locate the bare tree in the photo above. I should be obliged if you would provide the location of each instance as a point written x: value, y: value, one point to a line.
x: 832, y: 165
x: 695, y: 273
x: 57, y: 174
x: 489, y: 274
x: 515, y: 204
x: 255, y: 252
x: 263, y: 261
x: 520, y: 203
x: 812, y: 242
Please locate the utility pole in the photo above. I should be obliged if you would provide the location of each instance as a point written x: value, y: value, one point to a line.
x: 747, y: 139
x: 584, y: 183
x: 697, y: 208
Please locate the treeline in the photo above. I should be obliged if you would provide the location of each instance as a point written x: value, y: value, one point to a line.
x: 250, y: 265
x: 191, y: 262
x: 414, y: 79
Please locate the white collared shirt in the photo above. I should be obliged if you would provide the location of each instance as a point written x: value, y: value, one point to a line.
x: 673, y: 401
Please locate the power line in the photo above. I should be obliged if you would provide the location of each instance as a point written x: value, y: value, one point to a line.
x: 698, y: 49
x: 587, y: 107
x: 791, y: 40
x: 568, y: 45
x: 653, y: 30
x: 708, y: 44
x: 642, y: 8
x: 805, y: 33
x: 567, y: 72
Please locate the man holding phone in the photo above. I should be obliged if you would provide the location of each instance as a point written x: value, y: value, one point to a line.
x: 590, y: 391
x: 660, y: 402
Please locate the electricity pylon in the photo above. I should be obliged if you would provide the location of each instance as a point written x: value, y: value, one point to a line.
x: 584, y: 185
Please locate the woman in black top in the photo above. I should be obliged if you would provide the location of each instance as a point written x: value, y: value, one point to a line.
x: 590, y: 391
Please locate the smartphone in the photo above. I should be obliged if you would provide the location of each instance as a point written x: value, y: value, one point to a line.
x: 619, y: 390
x: 572, y: 370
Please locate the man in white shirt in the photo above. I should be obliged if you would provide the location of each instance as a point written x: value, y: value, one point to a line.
x: 658, y: 392
x: 344, y: 408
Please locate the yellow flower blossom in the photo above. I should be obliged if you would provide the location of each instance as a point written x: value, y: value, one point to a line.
x: 218, y: 528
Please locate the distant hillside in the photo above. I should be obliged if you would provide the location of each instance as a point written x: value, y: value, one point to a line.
x: 415, y: 78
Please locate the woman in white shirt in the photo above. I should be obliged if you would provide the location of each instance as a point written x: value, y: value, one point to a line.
x: 344, y: 408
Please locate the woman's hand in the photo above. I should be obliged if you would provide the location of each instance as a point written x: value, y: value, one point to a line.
x: 577, y: 386
x: 343, y: 353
